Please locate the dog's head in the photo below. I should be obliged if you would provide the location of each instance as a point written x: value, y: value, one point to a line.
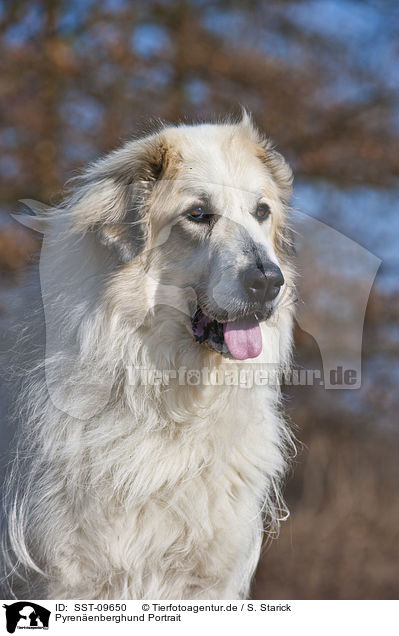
x: 199, y: 208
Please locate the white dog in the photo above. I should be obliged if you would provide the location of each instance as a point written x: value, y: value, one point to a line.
x: 140, y: 475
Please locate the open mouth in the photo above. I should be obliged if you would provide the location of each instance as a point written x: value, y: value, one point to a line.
x: 240, y: 339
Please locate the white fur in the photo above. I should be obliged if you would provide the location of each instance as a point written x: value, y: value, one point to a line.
x: 142, y: 491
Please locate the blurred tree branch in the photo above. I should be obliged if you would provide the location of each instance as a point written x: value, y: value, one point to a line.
x: 78, y: 77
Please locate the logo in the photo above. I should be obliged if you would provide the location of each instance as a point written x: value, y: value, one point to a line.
x: 26, y: 615
x: 333, y: 300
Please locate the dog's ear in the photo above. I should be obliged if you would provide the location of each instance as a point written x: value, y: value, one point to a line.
x: 112, y: 200
x: 134, y: 170
x: 127, y: 239
x: 275, y: 162
x: 280, y: 170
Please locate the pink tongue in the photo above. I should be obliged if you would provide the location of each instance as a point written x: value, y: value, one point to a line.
x: 243, y: 338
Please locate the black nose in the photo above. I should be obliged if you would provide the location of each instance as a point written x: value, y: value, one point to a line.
x: 262, y: 286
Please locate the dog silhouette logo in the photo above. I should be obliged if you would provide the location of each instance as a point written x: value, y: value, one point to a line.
x: 26, y: 615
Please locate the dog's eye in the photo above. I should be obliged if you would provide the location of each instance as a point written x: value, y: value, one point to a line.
x: 199, y: 214
x: 262, y: 211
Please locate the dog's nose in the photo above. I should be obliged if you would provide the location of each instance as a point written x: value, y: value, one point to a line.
x: 263, y: 286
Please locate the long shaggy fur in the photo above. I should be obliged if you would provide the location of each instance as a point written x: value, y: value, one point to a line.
x: 126, y: 490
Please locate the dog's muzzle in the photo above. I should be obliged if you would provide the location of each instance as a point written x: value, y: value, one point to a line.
x: 240, y: 336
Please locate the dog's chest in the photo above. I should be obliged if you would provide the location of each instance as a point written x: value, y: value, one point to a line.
x: 184, y: 494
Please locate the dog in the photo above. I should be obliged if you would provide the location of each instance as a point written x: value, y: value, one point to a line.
x: 137, y: 475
